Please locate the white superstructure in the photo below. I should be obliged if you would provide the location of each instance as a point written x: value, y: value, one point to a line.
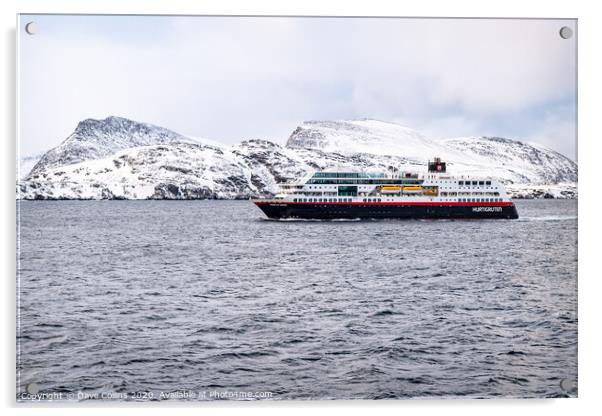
x: 435, y: 186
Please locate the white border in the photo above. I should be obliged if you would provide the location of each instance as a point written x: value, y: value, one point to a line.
x: 590, y: 135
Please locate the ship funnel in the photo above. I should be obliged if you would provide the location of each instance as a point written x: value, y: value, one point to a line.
x: 437, y: 166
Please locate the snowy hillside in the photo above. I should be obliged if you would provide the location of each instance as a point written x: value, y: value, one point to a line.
x: 119, y: 158
x: 25, y: 163
x: 509, y: 160
x: 95, y: 139
x: 529, y: 163
x: 363, y: 136
x: 176, y: 171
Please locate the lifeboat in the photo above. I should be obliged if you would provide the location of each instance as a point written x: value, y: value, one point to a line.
x: 412, y: 189
x: 431, y: 192
x: 390, y: 189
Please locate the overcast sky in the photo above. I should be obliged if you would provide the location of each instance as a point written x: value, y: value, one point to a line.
x: 230, y: 79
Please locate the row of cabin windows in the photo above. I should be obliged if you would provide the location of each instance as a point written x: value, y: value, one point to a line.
x: 322, y: 200
x: 364, y: 182
x: 474, y: 183
x: 470, y: 193
x: 379, y: 200
x: 480, y: 199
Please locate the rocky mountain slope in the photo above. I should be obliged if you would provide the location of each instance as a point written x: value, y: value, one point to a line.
x: 95, y: 139
x: 25, y: 162
x: 118, y: 158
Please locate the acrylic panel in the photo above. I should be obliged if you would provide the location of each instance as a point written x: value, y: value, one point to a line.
x: 291, y: 208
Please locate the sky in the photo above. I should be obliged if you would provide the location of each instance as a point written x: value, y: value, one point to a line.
x: 237, y: 78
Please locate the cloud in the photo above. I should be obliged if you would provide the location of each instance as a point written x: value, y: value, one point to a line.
x: 557, y: 129
x: 235, y: 78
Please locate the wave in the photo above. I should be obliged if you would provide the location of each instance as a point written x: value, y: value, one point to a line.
x: 549, y: 218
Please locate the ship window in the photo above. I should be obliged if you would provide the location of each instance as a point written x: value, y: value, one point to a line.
x: 295, y: 200
x: 481, y: 182
x: 364, y: 199
x: 488, y: 183
x: 474, y: 182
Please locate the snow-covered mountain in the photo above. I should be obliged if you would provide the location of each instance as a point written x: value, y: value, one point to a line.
x: 363, y: 136
x: 528, y: 163
x: 510, y: 160
x: 119, y: 158
x: 96, y: 139
x: 24, y: 163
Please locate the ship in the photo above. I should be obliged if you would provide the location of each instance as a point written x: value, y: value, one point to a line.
x: 344, y: 194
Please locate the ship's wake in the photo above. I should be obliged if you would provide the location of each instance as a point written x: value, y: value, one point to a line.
x: 549, y: 218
